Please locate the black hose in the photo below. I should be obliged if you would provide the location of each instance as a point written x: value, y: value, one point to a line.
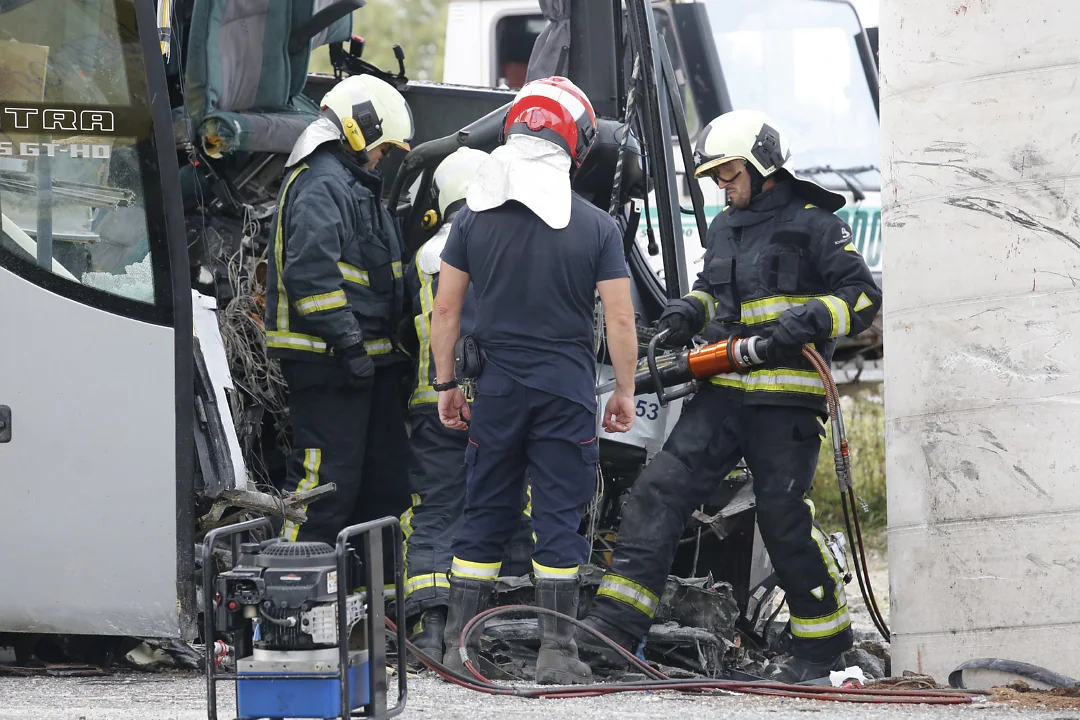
x: 1013, y: 667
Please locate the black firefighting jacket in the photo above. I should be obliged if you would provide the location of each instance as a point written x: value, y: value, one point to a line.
x: 335, y: 263
x: 812, y: 281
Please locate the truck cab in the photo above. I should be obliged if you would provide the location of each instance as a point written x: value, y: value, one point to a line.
x: 808, y: 63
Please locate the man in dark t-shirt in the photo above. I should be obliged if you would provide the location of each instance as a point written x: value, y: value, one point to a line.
x: 536, y: 254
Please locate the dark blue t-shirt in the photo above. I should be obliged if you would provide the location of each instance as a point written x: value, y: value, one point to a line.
x: 535, y: 291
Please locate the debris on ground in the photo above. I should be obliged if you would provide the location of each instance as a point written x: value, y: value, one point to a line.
x: 52, y: 670
x: 908, y: 681
x: 1021, y: 695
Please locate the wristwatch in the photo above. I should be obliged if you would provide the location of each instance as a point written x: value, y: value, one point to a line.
x: 448, y: 385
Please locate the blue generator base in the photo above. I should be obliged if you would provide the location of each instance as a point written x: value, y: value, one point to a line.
x: 316, y: 698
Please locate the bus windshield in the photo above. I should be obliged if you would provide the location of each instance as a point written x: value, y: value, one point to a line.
x: 75, y: 150
x: 797, y: 61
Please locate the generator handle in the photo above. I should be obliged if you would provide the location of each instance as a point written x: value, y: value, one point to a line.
x: 209, y: 571
x: 373, y: 564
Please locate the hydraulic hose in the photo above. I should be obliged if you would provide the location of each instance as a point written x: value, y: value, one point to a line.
x: 660, y: 681
x: 842, y: 462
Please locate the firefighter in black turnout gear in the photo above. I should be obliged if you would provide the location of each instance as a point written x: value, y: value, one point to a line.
x: 335, y: 292
x: 779, y: 264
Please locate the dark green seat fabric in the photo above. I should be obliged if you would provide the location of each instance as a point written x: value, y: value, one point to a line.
x: 242, y: 86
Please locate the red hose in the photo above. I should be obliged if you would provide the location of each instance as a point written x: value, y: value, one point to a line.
x: 482, y: 684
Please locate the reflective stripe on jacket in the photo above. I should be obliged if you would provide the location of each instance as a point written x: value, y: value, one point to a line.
x: 422, y: 283
x: 334, y: 263
x: 755, y: 276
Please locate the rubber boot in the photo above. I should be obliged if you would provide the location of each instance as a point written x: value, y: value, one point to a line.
x: 792, y: 669
x: 468, y: 598
x: 558, y: 663
x: 599, y: 653
x: 427, y: 635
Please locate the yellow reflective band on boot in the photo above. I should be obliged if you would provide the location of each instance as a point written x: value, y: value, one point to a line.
x: 710, y: 305
x: 629, y: 593
x: 325, y: 301
x: 840, y: 314
x: 475, y: 570
x: 544, y: 572
x: 312, y: 462
x: 420, y: 582
x: 779, y: 380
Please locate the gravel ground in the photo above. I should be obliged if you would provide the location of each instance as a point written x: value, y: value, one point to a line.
x: 181, y: 696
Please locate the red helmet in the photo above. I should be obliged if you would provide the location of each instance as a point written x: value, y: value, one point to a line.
x: 556, y: 110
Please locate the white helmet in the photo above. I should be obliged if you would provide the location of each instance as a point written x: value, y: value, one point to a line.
x: 371, y: 112
x: 753, y: 136
x: 749, y: 135
x: 451, y: 180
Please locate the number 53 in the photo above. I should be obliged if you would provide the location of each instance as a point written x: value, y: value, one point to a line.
x: 648, y: 410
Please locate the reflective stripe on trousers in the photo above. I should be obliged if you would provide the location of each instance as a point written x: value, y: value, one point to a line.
x: 630, y: 593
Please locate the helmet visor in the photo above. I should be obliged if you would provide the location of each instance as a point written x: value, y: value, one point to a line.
x: 720, y: 169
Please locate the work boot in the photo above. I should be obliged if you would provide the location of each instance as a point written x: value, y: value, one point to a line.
x: 468, y: 598
x: 427, y: 634
x: 558, y: 663
x: 792, y: 669
x: 600, y: 654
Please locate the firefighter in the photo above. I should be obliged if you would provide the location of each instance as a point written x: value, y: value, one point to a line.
x: 778, y: 264
x: 536, y: 253
x: 334, y: 293
x: 437, y: 471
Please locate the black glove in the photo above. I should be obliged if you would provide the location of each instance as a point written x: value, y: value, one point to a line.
x: 675, y: 319
x: 782, y: 346
x: 359, y: 367
x: 406, y: 336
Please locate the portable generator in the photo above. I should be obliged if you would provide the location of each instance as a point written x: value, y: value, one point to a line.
x: 290, y: 609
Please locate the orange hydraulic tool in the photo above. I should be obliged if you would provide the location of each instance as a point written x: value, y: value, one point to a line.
x: 735, y: 354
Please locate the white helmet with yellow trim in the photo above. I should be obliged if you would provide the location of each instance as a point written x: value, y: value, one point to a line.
x: 753, y: 136
x: 451, y: 180
x: 371, y: 112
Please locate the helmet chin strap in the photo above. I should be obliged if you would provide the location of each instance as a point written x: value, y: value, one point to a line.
x: 757, y: 180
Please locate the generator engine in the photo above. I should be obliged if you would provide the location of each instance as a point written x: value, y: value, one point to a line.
x: 290, y: 591
x: 286, y: 595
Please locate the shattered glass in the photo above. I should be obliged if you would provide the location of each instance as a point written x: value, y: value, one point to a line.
x: 136, y: 282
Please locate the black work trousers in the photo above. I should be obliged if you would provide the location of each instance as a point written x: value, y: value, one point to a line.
x: 515, y: 427
x: 437, y: 479
x: 353, y: 438
x: 780, y: 445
